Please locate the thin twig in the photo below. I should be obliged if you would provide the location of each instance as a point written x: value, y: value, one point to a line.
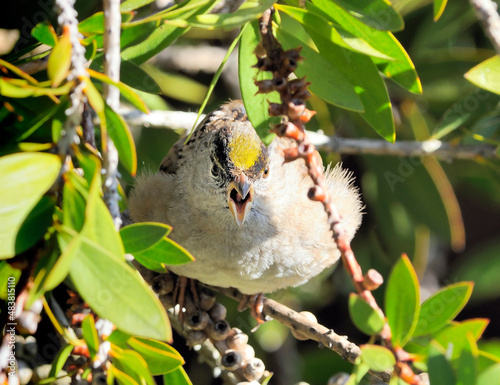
x: 112, y: 21
x: 486, y: 11
x: 182, y: 122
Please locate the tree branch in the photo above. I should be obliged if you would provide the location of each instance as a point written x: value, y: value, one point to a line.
x: 486, y: 11
x: 182, y: 122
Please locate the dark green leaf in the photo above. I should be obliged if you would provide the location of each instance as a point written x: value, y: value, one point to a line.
x: 440, y: 370
x: 377, y: 14
x: 177, y: 377
x: 466, y: 367
x: 36, y: 224
x: 119, y: 132
x: 95, y: 23
x: 367, y: 82
x: 327, y: 81
x: 442, y: 307
x: 45, y: 34
x: 25, y: 177
x: 141, y: 236
x: 105, y: 280
x: 402, y: 298
x: 90, y: 335
x: 377, y: 357
x: 439, y: 6
x: 486, y: 75
x: 134, y: 365
x: 366, y: 319
x: 135, y: 77
x: 401, y: 69
x: 160, y: 357
x: 256, y: 105
x: 130, y: 5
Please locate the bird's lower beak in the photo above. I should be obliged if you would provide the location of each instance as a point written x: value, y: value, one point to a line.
x: 240, y: 198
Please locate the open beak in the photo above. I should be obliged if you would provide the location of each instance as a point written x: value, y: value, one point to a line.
x: 240, y: 198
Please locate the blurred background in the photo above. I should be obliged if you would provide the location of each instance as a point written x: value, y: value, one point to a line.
x: 445, y: 214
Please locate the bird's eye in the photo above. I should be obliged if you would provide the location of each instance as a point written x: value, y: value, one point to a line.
x: 266, y: 172
x: 215, y: 171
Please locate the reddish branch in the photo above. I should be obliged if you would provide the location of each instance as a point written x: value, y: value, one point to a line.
x: 294, y: 114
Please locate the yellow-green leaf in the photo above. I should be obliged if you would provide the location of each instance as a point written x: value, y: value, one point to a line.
x: 486, y: 74
x: 60, y: 59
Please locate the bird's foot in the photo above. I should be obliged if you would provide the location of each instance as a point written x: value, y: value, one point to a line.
x: 180, y: 296
x: 256, y: 304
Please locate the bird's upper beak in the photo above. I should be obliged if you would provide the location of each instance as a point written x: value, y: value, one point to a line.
x: 240, y: 198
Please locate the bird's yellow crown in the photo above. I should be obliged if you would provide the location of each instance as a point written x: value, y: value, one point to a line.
x: 244, y: 150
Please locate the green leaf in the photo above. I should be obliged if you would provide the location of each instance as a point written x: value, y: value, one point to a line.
x: 160, y: 357
x: 90, y: 335
x: 440, y: 370
x: 454, y: 338
x: 136, y: 77
x: 486, y: 75
x: 442, y: 307
x: 119, y: 132
x: 327, y: 81
x: 25, y: 177
x: 125, y: 90
x: 164, y: 252
x: 490, y: 376
x: 45, y: 34
x: 401, y: 69
x: 314, y: 21
x: 439, y: 6
x: 466, y: 366
x: 95, y: 23
x: 402, y: 298
x: 122, y: 377
x: 60, y: 59
x: 256, y: 105
x: 367, y: 82
x: 134, y: 365
x: 105, y: 280
x: 95, y: 98
x: 378, y: 14
x: 36, y: 224
x: 7, y: 273
x: 177, y: 377
x: 130, y: 5
x: 141, y: 236
x: 366, y: 319
x: 377, y: 357
x: 60, y: 360
x: 74, y: 201
x: 466, y: 111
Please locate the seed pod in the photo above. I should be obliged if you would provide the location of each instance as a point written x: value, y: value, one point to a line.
x: 237, y: 341
x: 195, y: 337
x: 254, y: 369
x: 218, y: 330
x: 207, y: 300
x: 247, y: 353
x: 197, y: 320
x: 218, y: 312
x: 231, y: 360
x: 163, y: 284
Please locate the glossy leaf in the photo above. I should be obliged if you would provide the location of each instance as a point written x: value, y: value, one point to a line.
x: 442, y: 307
x: 25, y: 177
x: 490, y: 376
x: 454, y: 337
x: 327, y: 81
x: 402, y: 298
x: 105, y: 280
x: 141, y: 236
x: 486, y: 75
x: 45, y: 34
x: 134, y: 365
x: 119, y: 132
x: 130, y: 5
x: 440, y: 370
x: 60, y: 59
x: 256, y: 105
x: 378, y: 14
x: 401, y: 69
x: 465, y: 111
x: 367, y: 82
x: 125, y: 90
x: 160, y: 357
x: 439, y: 6
x: 166, y: 251
x: 366, y: 319
x: 177, y: 377
x: 90, y: 335
x: 321, y: 26
x: 378, y: 358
